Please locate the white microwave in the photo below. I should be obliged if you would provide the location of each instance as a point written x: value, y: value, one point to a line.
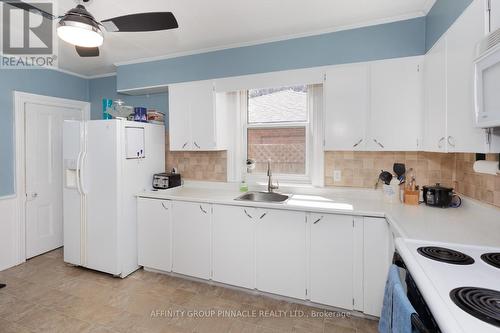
x: 487, y: 83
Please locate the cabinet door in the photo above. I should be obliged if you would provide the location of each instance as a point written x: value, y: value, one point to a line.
x: 179, y: 119
x: 396, y: 104
x: 281, y: 252
x: 154, y: 239
x: 461, y: 41
x: 234, y: 245
x: 377, y: 259
x: 191, y: 239
x: 331, y: 260
x: 347, y: 99
x: 202, y: 113
x: 435, y: 98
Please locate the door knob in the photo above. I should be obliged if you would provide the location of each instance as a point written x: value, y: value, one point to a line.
x: 34, y: 195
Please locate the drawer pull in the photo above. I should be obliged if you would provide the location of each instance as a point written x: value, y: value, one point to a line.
x: 201, y: 208
x: 262, y: 216
x: 164, y: 206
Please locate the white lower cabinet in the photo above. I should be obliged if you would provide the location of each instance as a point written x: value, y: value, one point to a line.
x: 376, y: 261
x: 335, y: 260
x: 331, y: 259
x: 234, y: 245
x: 191, y: 239
x: 281, y: 252
x: 154, y: 233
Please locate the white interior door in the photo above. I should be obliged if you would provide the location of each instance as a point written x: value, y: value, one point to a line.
x: 44, y: 176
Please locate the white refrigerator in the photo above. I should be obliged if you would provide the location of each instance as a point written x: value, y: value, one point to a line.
x: 106, y: 163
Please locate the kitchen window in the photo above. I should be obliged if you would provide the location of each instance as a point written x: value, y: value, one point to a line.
x: 277, y: 127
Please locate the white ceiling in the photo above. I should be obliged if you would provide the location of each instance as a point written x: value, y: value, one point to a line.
x: 214, y: 24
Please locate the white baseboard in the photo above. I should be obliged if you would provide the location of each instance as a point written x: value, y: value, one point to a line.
x: 9, y: 232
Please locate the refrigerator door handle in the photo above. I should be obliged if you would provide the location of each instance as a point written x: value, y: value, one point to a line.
x: 78, y: 170
x: 82, y: 173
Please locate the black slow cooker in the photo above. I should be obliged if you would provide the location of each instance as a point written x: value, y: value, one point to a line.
x: 438, y: 196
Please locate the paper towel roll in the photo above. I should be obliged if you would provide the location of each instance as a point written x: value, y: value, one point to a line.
x: 488, y: 167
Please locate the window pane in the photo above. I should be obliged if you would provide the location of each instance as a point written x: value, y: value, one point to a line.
x: 285, y: 147
x: 277, y: 104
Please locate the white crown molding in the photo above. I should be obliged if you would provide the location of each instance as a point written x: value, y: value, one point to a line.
x: 275, y: 39
x: 100, y: 76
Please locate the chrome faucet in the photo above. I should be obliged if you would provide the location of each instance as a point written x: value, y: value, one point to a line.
x: 270, y: 186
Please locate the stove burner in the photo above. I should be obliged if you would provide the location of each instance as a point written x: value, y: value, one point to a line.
x: 445, y: 255
x: 481, y: 303
x: 492, y: 259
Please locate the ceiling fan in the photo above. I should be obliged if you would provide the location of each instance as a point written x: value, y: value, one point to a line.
x: 80, y: 28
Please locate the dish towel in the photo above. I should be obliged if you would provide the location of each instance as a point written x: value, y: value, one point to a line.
x: 401, y: 311
x: 385, y: 322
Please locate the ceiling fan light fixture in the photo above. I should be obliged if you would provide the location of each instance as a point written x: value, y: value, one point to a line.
x: 79, y: 33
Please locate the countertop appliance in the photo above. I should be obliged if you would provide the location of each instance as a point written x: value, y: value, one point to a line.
x: 165, y: 180
x: 487, y: 81
x: 459, y: 284
x: 106, y: 162
x: 438, y: 196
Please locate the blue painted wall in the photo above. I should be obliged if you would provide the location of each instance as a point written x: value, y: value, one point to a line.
x: 391, y: 40
x: 398, y: 39
x: 441, y: 17
x: 106, y: 88
x: 37, y: 81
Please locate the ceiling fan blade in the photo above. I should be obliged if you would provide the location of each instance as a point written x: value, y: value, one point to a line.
x: 27, y: 7
x: 141, y: 22
x: 87, y: 51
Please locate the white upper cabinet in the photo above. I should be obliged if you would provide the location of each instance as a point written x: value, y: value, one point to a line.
x: 196, y: 117
x: 347, y: 101
x: 461, y: 41
x: 449, y: 82
x: 396, y: 104
x: 374, y: 106
x: 435, y: 98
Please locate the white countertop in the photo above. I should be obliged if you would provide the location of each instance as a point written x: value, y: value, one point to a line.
x: 474, y: 223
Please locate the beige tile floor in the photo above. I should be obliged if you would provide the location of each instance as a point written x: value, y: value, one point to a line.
x: 46, y: 295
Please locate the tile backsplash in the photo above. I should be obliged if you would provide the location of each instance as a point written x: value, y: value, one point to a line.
x: 197, y: 165
x: 361, y: 169
x: 482, y: 187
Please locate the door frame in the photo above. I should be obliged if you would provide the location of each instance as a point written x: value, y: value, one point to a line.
x: 20, y: 99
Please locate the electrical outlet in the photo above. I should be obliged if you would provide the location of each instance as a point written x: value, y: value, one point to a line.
x: 337, y: 175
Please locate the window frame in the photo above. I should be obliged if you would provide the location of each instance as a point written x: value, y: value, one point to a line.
x: 283, y: 177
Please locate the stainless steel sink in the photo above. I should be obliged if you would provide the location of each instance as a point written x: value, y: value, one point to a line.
x: 263, y: 197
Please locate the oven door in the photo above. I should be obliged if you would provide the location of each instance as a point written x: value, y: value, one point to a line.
x: 422, y: 321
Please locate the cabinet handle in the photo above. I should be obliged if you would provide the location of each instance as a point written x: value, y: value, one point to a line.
x: 451, y: 141
x: 381, y: 145
x: 357, y: 143
x: 440, y: 142
x: 318, y: 220
x: 201, y: 208
x: 262, y: 216
x: 163, y: 204
x: 196, y: 145
x: 246, y: 213
x: 184, y: 145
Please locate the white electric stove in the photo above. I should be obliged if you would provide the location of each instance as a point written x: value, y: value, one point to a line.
x: 459, y: 283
